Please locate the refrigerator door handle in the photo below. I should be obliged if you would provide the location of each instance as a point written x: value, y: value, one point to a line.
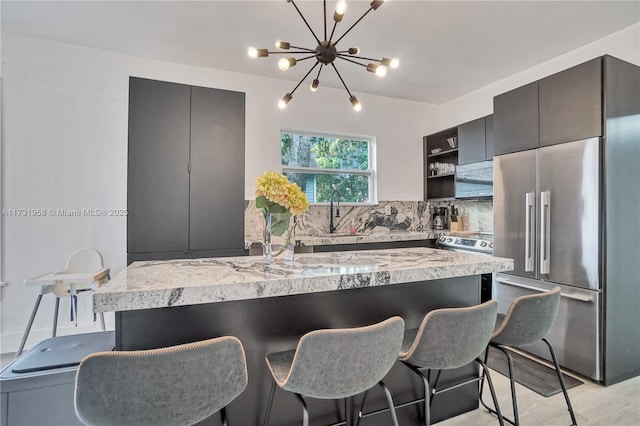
x: 544, y: 290
x: 545, y: 231
x: 517, y: 284
x: 530, y: 200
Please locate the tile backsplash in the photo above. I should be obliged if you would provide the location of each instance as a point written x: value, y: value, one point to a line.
x: 386, y: 216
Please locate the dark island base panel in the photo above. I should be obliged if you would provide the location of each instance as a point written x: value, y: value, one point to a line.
x: 276, y: 324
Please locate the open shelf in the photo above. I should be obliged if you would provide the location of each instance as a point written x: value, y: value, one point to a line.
x: 441, y: 186
x: 441, y: 176
x: 453, y: 151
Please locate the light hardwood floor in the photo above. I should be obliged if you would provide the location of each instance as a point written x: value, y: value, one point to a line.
x: 616, y: 405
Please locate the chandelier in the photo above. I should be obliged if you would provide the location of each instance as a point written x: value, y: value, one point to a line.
x: 326, y: 52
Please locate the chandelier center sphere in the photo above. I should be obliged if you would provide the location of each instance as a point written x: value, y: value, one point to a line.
x: 326, y: 52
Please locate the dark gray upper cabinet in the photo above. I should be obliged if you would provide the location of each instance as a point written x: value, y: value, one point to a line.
x: 471, y: 142
x: 217, y: 169
x: 489, y: 138
x: 476, y: 141
x: 571, y: 104
x: 515, y: 119
x: 158, y: 157
x: 185, y: 191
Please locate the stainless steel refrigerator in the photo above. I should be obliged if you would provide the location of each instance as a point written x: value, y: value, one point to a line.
x: 547, y: 216
x: 569, y: 214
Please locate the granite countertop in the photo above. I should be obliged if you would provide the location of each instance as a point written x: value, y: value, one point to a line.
x: 156, y: 284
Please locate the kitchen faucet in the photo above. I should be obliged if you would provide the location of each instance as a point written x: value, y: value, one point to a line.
x: 335, y: 192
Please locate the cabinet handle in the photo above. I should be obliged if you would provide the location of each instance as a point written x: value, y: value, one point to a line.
x: 545, y: 231
x: 530, y: 200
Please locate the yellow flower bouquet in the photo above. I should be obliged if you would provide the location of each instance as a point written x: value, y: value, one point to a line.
x: 279, y: 200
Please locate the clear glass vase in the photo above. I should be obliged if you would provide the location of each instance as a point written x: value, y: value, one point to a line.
x: 278, y: 247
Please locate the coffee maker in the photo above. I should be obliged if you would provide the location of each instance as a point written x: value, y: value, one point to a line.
x: 439, y: 218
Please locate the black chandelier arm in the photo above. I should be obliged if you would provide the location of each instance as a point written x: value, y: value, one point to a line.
x: 354, y: 24
x: 306, y: 49
x: 305, y: 20
x: 305, y: 58
x: 324, y: 5
x: 341, y: 54
x: 335, y: 24
x: 319, y: 71
x: 352, y: 61
x: 340, y: 77
x: 292, y: 52
x: 305, y: 76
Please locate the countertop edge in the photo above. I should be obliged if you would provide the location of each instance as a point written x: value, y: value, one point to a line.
x: 109, y: 299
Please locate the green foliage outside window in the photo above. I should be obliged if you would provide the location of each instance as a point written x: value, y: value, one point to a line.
x: 337, y: 156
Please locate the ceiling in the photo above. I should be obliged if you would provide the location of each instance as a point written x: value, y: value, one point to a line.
x: 446, y: 48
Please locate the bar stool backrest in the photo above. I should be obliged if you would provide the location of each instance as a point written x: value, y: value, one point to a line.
x: 179, y: 385
x: 528, y: 319
x: 337, y: 363
x: 452, y: 337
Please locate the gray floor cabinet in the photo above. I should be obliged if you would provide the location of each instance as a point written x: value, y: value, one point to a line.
x: 185, y: 185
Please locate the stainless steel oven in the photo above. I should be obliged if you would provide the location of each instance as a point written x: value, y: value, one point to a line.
x: 477, y: 243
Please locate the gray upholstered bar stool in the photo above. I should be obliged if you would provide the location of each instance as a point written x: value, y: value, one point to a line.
x: 447, y: 338
x: 178, y: 385
x: 337, y: 363
x: 527, y: 321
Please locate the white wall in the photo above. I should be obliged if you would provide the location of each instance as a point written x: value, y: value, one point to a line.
x: 624, y: 44
x: 64, y: 139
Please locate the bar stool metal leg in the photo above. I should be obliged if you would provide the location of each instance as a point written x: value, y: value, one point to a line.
x: 391, y: 406
x: 305, y: 412
x: 427, y: 392
x: 269, y: 403
x: 516, y: 420
x: 562, y: 385
x: 223, y: 416
x: 392, y: 410
x: 485, y: 373
x: 364, y: 400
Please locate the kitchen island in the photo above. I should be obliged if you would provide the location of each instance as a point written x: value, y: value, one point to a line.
x: 269, y: 307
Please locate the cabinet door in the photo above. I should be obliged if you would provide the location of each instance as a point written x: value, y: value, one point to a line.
x: 515, y: 119
x: 571, y: 104
x: 217, y: 169
x: 157, y: 179
x: 489, y: 137
x: 471, y: 142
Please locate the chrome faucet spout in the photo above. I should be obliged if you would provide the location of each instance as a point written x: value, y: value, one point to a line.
x: 335, y: 193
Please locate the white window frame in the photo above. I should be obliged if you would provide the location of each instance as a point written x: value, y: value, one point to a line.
x: 371, y: 171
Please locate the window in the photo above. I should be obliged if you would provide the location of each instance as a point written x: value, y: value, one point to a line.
x: 321, y: 163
